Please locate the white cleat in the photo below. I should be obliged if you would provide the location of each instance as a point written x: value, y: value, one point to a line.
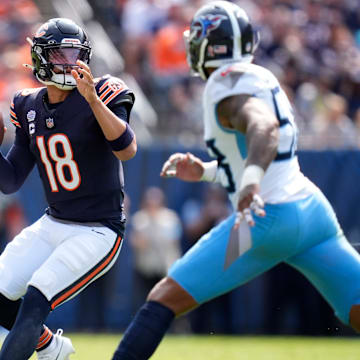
x: 61, y: 350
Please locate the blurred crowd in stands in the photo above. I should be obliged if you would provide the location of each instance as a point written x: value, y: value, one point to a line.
x: 313, y: 46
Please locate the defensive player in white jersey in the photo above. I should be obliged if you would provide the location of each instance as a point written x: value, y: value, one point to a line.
x: 279, y: 215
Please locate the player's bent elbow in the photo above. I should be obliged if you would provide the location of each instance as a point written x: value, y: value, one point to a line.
x: 127, y: 153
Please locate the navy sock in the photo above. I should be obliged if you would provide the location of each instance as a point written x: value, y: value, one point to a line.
x: 145, y: 332
x: 23, y: 337
x: 9, y: 310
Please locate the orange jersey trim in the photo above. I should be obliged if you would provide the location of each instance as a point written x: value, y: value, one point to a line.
x: 117, y: 92
x: 16, y: 123
x: 89, y: 277
x: 110, y: 89
x: 105, y: 93
x: 104, y: 85
x: 12, y: 113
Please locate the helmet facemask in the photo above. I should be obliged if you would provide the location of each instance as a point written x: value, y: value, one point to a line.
x: 55, y: 49
x: 53, y: 63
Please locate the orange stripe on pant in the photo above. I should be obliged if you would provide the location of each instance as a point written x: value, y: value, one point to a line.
x: 82, y: 283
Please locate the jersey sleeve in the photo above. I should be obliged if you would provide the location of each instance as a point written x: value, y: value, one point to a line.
x: 13, y: 116
x: 237, y: 80
x: 21, y: 138
x: 121, y: 112
x: 113, y: 92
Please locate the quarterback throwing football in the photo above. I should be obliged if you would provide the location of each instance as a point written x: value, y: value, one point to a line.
x: 75, y: 129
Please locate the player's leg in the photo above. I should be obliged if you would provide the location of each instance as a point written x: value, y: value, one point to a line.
x: 83, y: 254
x: 8, y: 316
x: 22, y: 256
x: 69, y: 267
x: 9, y: 310
x: 24, y: 335
x: 333, y: 265
x: 220, y: 261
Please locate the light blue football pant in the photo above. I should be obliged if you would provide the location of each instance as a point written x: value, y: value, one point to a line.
x: 304, y: 234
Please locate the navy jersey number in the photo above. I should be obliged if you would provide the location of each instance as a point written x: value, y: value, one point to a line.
x: 59, y: 162
x: 222, y: 164
x: 288, y: 129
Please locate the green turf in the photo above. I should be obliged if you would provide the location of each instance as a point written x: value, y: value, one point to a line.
x: 101, y: 347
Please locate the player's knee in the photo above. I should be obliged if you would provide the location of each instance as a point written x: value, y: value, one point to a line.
x: 10, y: 287
x: 355, y: 317
x: 169, y: 293
x: 35, y: 302
x: 164, y: 291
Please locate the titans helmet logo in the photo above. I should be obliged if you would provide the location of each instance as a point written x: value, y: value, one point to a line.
x: 203, y: 25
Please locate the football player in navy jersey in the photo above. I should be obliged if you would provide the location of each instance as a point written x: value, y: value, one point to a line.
x: 75, y: 129
x: 279, y: 215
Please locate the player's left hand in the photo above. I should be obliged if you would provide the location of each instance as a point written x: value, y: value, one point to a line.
x: 249, y: 200
x: 85, y: 83
x: 186, y: 167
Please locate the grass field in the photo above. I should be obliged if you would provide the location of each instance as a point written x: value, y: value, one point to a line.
x: 101, y: 347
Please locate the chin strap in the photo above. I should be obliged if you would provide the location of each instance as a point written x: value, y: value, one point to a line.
x: 27, y: 66
x: 29, y: 41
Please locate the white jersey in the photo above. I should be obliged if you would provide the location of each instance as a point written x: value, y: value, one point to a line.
x: 283, y: 180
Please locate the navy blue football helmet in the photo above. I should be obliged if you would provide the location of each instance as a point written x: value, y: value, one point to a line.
x: 55, y: 48
x: 220, y: 33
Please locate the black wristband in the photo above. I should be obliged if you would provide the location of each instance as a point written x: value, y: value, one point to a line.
x: 123, y: 141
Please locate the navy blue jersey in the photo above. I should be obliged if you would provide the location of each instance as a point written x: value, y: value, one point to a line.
x: 82, y: 178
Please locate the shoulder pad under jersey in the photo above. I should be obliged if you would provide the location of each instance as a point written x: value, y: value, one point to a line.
x: 237, y: 79
x: 17, y: 102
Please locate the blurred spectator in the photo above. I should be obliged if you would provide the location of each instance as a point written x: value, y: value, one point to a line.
x: 155, y: 239
x: 200, y: 216
x: 214, y: 316
x: 184, y: 115
x: 140, y: 19
x: 167, y: 54
x: 12, y: 219
x: 332, y: 128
